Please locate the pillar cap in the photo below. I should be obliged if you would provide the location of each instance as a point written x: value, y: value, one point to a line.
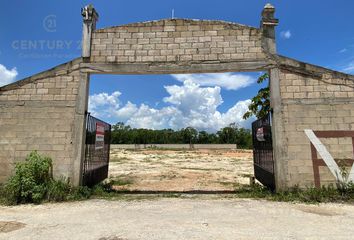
x: 268, y: 15
x: 89, y: 13
x: 268, y: 5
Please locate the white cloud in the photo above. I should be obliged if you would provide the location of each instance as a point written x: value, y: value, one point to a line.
x: 228, y: 81
x: 343, y: 50
x: 189, y: 105
x: 285, y: 34
x: 103, y: 104
x: 235, y: 114
x: 191, y: 97
x: 167, y: 117
x: 127, y: 111
x: 7, y: 76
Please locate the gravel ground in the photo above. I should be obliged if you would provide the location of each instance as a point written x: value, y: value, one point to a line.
x: 202, y: 217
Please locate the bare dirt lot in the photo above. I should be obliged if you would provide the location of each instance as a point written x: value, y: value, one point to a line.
x: 180, y: 170
x: 203, y: 217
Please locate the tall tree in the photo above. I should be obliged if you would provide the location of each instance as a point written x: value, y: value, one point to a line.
x: 260, y: 104
x: 189, y: 134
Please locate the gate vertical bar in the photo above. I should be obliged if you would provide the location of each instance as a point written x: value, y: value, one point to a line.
x: 97, y: 148
x: 263, y: 161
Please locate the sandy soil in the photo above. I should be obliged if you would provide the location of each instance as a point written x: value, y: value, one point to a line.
x: 171, y: 170
x: 176, y: 218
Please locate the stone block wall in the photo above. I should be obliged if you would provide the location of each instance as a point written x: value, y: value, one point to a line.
x: 176, y: 40
x: 323, y: 101
x: 38, y: 113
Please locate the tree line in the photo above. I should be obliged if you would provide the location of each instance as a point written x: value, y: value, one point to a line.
x: 124, y: 134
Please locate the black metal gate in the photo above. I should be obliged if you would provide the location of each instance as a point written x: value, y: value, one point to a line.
x: 97, y: 146
x: 263, y: 152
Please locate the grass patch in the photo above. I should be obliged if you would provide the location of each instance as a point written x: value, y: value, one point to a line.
x: 2, y: 195
x: 106, y: 191
x: 309, y: 195
x: 256, y: 191
x: 121, y: 181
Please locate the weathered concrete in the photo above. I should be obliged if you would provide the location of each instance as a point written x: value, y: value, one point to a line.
x: 279, y: 139
x: 80, y: 126
x: 179, y: 67
x: 90, y: 17
x: 268, y: 25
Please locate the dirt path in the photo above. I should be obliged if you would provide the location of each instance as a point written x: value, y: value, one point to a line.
x: 171, y: 170
x: 178, y: 219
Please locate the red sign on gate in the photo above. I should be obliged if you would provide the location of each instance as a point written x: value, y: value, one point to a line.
x: 99, y: 143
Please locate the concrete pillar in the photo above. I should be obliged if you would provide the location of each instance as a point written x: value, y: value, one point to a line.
x: 90, y: 17
x: 278, y: 137
x: 268, y: 24
x: 80, y: 127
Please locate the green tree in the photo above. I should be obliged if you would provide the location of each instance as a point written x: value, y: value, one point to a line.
x: 124, y: 134
x: 227, y: 135
x: 189, y: 135
x: 244, y: 138
x: 260, y: 104
x: 203, y: 137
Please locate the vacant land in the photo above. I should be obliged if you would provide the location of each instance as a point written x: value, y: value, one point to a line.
x: 180, y: 170
x: 175, y: 218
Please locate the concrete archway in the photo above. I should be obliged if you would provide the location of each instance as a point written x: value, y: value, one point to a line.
x: 47, y: 111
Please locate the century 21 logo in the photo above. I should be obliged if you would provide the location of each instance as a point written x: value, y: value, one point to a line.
x: 50, y: 23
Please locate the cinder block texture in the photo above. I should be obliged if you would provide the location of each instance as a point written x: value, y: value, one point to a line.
x: 318, y: 99
x: 38, y: 114
x: 176, y: 40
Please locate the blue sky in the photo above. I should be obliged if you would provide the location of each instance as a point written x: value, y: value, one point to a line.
x: 318, y: 32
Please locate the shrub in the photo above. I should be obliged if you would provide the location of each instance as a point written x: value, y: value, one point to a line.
x: 2, y: 194
x: 33, y: 182
x: 61, y: 190
x: 79, y: 193
x: 58, y: 190
x: 30, y: 181
x: 104, y: 188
